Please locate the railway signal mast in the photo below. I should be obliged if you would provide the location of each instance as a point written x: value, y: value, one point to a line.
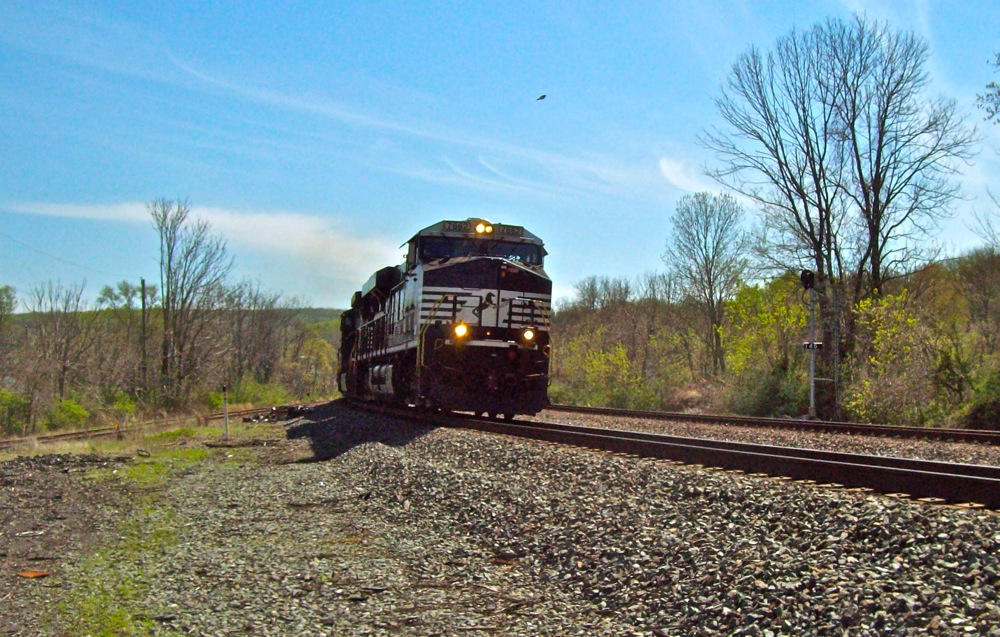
x: 808, y: 278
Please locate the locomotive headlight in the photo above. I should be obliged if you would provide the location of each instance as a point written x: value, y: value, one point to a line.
x: 529, y: 334
x: 461, y: 330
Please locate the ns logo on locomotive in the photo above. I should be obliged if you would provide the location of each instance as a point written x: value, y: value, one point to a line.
x: 463, y: 324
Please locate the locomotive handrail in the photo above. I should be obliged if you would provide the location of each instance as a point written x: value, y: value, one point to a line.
x: 420, y: 350
x: 352, y: 362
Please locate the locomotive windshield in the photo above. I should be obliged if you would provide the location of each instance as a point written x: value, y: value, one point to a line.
x: 434, y: 248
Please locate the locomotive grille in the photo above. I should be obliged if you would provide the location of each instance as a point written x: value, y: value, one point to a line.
x: 483, y: 307
x: 524, y: 311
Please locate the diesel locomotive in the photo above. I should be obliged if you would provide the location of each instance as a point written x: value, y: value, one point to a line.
x: 462, y: 324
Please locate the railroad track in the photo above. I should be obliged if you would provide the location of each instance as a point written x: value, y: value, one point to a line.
x: 829, y: 426
x: 264, y: 413
x: 102, y: 432
x: 86, y: 434
x: 929, y: 481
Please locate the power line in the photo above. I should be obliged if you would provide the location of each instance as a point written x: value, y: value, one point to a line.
x: 59, y: 259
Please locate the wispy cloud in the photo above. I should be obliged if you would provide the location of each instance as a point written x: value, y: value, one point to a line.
x: 314, y: 244
x: 303, y: 255
x: 327, y: 108
x: 685, y: 176
x: 126, y: 212
x: 84, y: 38
x: 472, y: 161
x: 114, y: 46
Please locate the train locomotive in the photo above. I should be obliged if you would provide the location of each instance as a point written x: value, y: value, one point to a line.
x: 463, y: 324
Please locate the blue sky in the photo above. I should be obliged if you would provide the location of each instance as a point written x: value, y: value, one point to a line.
x: 316, y: 137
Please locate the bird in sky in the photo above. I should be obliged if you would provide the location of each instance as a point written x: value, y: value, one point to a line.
x: 540, y: 97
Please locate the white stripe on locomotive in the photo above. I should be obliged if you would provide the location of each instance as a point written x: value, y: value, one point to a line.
x: 481, y: 307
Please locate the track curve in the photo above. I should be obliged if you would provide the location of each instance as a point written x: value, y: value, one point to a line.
x: 939, y: 482
x: 950, y: 435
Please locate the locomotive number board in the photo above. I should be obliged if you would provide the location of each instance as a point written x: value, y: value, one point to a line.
x: 498, y: 229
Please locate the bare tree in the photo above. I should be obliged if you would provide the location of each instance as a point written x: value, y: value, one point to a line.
x: 990, y: 100
x: 780, y: 151
x: 193, y: 268
x: 587, y: 293
x: 708, y: 251
x: 901, y: 149
x: 830, y: 133
x: 654, y: 294
x: 63, y: 334
x: 119, y: 361
x: 986, y: 225
x: 8, y: 301
x: 260, y: 324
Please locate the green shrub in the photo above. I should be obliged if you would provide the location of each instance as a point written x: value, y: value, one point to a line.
x: 776, y: 393
x: 67, y: 414
x: 123, y: 405
x: 984, y: 411
x: 600, y: 377
x: 251, y: 392
x: 14, y: 412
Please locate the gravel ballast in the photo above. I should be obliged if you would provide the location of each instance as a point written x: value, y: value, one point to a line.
x: 358, y: 525
x: 917, y: 448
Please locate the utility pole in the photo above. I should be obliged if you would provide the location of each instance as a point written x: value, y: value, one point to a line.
x: 225, y: 414
x: 142, y: 335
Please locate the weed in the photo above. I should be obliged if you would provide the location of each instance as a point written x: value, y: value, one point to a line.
x: 173, y: 434
x: 108, y: 590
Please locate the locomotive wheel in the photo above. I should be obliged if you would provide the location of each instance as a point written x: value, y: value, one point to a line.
x: 508, y: 416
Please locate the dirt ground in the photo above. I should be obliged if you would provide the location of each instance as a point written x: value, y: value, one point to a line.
x: 50, y: 514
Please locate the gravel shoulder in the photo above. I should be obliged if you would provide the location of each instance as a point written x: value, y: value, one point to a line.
x: 342, y: 523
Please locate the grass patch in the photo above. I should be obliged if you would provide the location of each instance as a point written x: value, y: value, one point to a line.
x: 172, y: 434
x: 153, y: 472
x: 75, y: 447
x: 241, y: 431
x: 107, y: 592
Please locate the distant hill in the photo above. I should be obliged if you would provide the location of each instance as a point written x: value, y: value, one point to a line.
x: 306, y: 315
x: 309, y: 315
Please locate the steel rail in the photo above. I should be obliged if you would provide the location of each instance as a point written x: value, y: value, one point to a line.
x: 951, y: 482
x: 50, y: 438
x: 831, y: 426
x: 101, y: 432
x: 943, y: 482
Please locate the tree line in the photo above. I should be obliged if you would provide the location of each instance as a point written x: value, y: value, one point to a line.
x: 145, y: 348
x: 925, y: 352
x: 847, y: 163
x: 829, y: 139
